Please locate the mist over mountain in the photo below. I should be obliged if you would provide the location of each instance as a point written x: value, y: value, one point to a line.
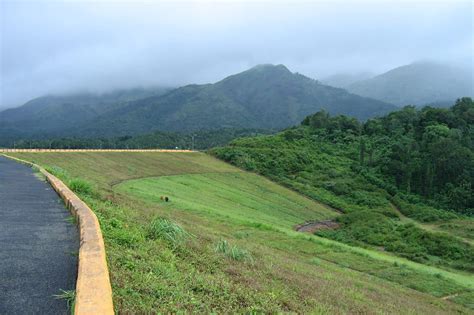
x: 266, y: 96
x: 53, y: 113
x: 342, y: 80
x: 418, y: 83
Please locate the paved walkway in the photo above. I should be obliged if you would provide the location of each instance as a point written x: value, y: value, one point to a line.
x: 38, y: 245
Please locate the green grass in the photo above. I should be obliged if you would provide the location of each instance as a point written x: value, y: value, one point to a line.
x: 69, y: 296
x: 80, y: 186
x: 239, y: 196
x: 167, y: 230
x: 212, y: 201
x: 232, y: 251
x: 325, y: 167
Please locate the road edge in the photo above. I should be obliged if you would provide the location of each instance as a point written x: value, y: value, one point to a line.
x: 93, y: 288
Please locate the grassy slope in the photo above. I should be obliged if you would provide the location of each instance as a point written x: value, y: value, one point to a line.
x: 324, y: 171
x: 289, y: 272
x: 239, y: 196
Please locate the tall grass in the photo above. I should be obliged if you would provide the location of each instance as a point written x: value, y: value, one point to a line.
x: 233, y: 252
x: 173, y: 233
x: 80, y: 186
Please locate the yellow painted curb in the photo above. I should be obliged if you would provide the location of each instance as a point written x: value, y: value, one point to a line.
x: 93, y: 289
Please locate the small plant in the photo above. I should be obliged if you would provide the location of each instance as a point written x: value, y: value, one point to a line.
x: 232, y: 252
x: 57, y: 171
x: 69, y: 296
x: 315, y: 261
x: 167, y: 230
x: 80, y: 186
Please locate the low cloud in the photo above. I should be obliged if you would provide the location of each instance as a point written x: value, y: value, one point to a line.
x: 62, y: 47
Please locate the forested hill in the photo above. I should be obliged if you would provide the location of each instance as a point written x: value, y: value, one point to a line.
x: 51, y: 115
x: 408, y: 166
x: 265, y: 96
x: 419, y: 83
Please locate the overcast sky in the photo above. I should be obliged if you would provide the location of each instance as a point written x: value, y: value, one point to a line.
x: 68, y: 46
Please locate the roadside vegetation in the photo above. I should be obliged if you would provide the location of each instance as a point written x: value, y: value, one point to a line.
x: 226, y: 242
x: 416, y: 164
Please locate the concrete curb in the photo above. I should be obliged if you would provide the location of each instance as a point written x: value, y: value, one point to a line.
x: 91, y: 150
x: 93, y: 289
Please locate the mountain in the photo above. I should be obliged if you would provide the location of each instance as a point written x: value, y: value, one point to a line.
x: 266, y: 96
x: 263, y: 97
x: 52, y: 114
x: 342, y: 80
x: 417, y: 84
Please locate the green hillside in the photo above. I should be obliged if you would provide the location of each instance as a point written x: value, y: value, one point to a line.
x: 419, y: 83
x: 225, y: 242
x: 265, y: 96
x: 415, y: 164
x: 239, y: 196
x: 48, y: 116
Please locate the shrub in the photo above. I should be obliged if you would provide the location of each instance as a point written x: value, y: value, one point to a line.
x: 421, y: 212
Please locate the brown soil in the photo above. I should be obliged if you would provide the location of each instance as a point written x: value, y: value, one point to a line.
x: 313, y: 226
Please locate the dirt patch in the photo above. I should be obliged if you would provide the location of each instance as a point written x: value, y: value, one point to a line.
x: 313, y: 226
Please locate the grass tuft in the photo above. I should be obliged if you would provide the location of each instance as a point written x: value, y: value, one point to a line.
x: 80, y: 186
x: 69, y: 296
x: 167, y: 230
x: 233, y: 252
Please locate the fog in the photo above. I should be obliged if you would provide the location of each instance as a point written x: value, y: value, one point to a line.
x: 72, y: 46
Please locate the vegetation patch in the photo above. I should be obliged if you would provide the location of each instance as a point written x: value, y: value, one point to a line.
x: 234, y: 252
x: 151, y: 275
x: 419, y: 163
x: 167, y: 230
x: 69, y: 296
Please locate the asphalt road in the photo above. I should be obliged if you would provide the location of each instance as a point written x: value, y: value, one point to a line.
x: 38, y: 245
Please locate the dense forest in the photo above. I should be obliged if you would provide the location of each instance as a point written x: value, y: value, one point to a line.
x: 389, y: 177
x: 427, y: 152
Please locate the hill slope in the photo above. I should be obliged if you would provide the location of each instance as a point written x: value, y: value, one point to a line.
x: 342, y: 80
x: 225, y: 243
x: 417, y: 84
x: 52, y: 114
x: 265, y: 96
x: 418, y: 163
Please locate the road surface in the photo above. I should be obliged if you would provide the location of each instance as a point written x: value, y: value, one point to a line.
x: 38, y: 244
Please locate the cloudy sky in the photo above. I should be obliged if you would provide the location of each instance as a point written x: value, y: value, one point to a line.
x: 68, y: 46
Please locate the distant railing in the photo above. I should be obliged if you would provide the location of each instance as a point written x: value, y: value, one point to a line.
x: 93, y: 150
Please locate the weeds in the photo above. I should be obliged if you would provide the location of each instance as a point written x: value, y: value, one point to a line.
x: 80, y: 186
x: 69, y: 296
x: 233, y: 252
x: 169, y: 231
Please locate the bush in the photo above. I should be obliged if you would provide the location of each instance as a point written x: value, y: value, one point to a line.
x: 421, y: 212
x: 407, y: 240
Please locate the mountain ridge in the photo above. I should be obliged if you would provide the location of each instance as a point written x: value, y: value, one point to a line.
x: 418, y: 83
x: 265, y: 96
